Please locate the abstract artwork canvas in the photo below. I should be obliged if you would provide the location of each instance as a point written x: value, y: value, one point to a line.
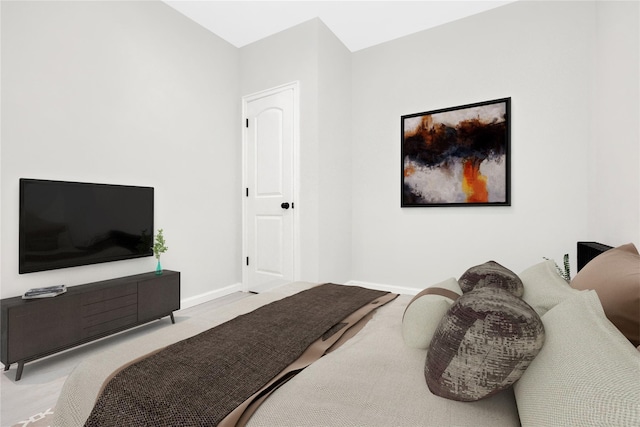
x: 457, y: 156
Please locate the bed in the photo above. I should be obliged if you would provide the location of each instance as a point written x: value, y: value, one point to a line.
x: 573, y: 365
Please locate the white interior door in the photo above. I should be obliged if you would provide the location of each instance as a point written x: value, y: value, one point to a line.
x: 269, y: 205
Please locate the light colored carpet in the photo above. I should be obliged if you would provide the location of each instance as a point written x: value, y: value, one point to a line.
x: 42, y: 419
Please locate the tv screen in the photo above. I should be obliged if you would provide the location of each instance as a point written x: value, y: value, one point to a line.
x: 67, y: 224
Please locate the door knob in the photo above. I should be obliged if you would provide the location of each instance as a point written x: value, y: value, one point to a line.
x: 284, y: 205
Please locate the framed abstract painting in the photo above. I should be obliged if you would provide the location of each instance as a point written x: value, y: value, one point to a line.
x: 457, y: 156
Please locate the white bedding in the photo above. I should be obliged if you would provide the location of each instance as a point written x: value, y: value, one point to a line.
x: 372, y: 380
x: 376, y: 380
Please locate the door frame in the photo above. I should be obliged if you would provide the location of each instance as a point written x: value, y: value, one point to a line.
x: 246, y: 99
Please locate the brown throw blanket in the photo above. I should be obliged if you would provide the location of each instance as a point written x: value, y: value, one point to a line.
x: 201, y: 380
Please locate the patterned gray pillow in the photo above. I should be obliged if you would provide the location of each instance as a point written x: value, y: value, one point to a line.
x: 491, y: 274
x: 482, y: 345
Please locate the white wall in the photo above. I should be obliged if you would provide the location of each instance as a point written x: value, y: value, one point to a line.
x: 310, y: 54
x: 283, y: 58
x: 614, y: 168
x: 124, y: 93
x: 335, y: 158
x: 538, y: 53
x: 85, y: 82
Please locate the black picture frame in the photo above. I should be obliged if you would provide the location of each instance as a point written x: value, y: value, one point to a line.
x: 457, y: 156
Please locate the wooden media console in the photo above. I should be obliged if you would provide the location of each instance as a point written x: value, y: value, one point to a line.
x: 35, y: 328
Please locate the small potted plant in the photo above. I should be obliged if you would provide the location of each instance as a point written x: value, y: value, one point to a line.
x: 159, y: 247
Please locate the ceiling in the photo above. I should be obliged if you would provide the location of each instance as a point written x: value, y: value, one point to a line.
x: 358, y: 24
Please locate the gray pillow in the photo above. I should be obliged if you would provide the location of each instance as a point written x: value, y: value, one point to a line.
x: 491, y: 274
x: 482, y: 345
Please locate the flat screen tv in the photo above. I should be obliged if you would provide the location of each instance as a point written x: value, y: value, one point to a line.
x: 67, y: 224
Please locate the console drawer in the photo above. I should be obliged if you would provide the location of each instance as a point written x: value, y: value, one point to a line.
x: 109, y: 293
x: 109, y: 305
x: 111, y: 325
x: 110, y: 315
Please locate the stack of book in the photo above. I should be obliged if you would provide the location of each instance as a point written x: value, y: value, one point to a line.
x: 49, y: 291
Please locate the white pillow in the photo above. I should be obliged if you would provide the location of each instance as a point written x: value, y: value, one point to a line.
x: 544, y: 288
x: 587, y: 373
x: 424, y: 312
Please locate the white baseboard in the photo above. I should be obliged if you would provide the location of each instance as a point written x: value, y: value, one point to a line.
x: 211, y: 295
x: 384, y: 287
x: 237, y: 287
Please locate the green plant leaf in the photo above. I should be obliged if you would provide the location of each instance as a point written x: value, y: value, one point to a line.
x: 160, y: 246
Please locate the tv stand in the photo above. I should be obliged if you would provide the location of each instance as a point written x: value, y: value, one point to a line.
x: 35, y: 328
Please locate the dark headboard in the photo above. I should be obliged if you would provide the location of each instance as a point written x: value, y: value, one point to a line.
x: 588, y: 251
